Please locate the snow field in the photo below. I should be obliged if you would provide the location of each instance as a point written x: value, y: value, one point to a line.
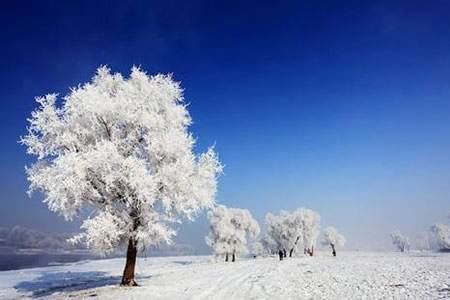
x: 350, y: 275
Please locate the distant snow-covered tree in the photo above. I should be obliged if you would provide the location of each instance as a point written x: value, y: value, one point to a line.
x: 287, y: 230
x: 441, y: 235
x: 119, y: 148
x: 422, y: 241
x: 257, y: 249
x: 310, y: 229
x: 333, y: 238
x: 270, y: 245
x: 400, y: 241
x: 229, y: 230
x: 21, y: 237
x: 279, y: 235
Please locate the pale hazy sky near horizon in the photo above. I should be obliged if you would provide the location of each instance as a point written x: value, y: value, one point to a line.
x: 339, y: 106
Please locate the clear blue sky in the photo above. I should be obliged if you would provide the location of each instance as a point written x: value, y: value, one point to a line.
x: 340, y: 106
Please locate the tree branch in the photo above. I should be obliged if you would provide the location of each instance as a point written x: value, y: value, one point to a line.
x: 108, y: 130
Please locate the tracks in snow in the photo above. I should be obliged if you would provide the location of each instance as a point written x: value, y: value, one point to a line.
x: 246, y: 280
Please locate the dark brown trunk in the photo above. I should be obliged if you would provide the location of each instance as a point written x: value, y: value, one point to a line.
x: 226, y: 257
x: 295, y: 244
x: 128, y: 272
x: 284, y: 253
x: 312, y: 251
x: 334, y: 250
x: 234, y: 256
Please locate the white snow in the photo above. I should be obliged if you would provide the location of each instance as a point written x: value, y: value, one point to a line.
x: 350, y: 275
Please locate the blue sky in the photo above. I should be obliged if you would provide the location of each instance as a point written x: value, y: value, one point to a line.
x: 342, y: 107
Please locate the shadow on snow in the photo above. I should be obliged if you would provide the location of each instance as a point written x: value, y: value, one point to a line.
x: 49, y: 283
x: 183, y: 262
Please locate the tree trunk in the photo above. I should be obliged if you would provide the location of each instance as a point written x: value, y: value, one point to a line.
x: 128, y: 272
x: 312, y: 251
x: 295, y: 244
x: 234, y: 256
x: 226, y: 257
x: 284, y: 253
x: 334, y: 250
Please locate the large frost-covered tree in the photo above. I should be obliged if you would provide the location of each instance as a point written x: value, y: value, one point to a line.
x: 400, y: 241
x: 119, y: 150
x: 333, y: 238
x: 229, y: 230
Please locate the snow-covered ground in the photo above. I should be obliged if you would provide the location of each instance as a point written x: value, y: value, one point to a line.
x: 351, y: 275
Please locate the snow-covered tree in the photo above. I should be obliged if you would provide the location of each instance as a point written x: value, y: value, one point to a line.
x: 119, y: 150
x: 310, y: 229
x: 257, y: 249
x: 441, y: 235
x: 270, y: 245
x: 333, y: 238
x: 422, y: 241
x: 230, y: 229
x: 281, y: 236
x: 287, y: 230
x: 400, y: 241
